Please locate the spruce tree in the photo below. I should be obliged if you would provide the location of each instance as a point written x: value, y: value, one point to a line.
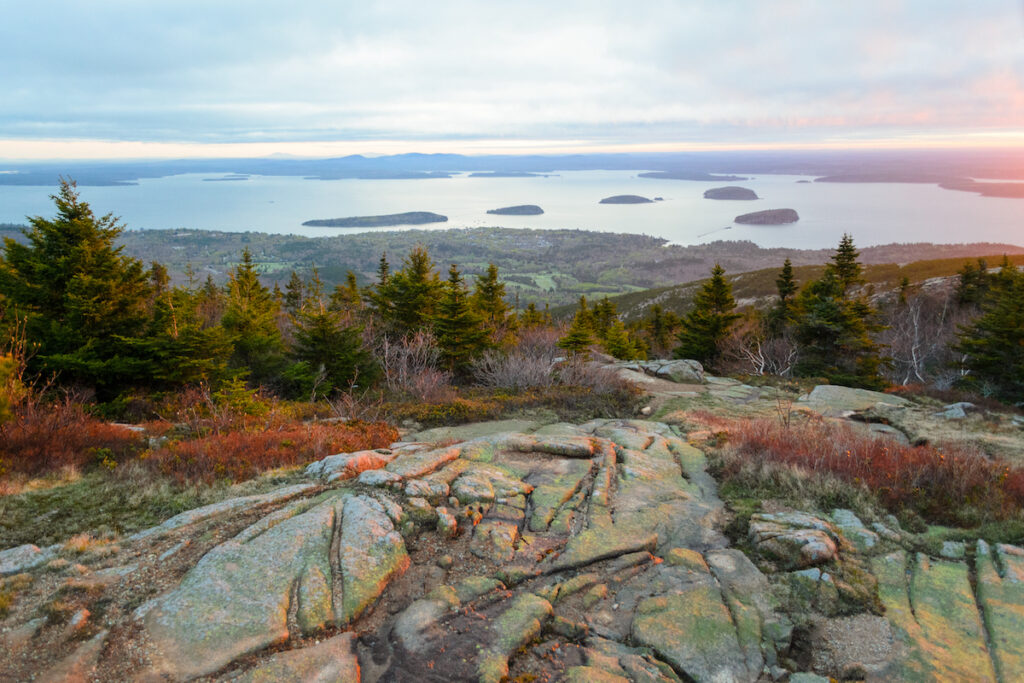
x: 489, y: 297
x: 347, y: 297
x: 781, y: 313
x: 330, y: 354
x: 604, y: 315
x: 660, y: 327
x: 994, y: 344
x: 410, y: 296
x: 458, y: 328
x: 250, y: 318
x: 707, y: 324
x: 617, y: 342
x: 294, y: 294
x: 179, y: 347
x: 79, y: 294
x: 580, y: 337
x: 531, y: 317
x: 847, y: 268
x: 833, y: 333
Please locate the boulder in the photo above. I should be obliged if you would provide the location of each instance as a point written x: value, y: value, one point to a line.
x: 681, y: 371
x: 793, y: 540
x: 837, y: 401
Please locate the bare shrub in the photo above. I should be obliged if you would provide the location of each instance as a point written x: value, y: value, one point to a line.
x: 749, y: 349
x: 411, y: 367
x: 530, y: 364
x: 513, y: 370
x: 919, y: 333
x: 540, y: 342
x: 599, y: 378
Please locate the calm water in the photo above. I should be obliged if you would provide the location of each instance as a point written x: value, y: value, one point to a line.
x: 873, y: 213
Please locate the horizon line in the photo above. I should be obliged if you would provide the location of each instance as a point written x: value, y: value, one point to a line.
x: 17, y: 150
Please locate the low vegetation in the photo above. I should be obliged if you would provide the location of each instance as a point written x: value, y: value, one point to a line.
x: 824, y: 465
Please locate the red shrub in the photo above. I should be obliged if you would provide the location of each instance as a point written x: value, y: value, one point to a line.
x: 244, y: 454
x: 945, y: 485
x: 45, y: 438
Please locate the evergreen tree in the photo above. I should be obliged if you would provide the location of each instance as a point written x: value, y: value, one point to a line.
x: 489, y: 297
x: 210, y: 303
x: 178, y: 347
x: 7, y: 378
x: 660, y: 327
x: 330, y: 354
x: 294, y: 294
x: 79, y: 295
x: 458, y: 328
x: 250, y: 318
x: 847, y: 268
x: 706, y: 326
x: 618, y: 343
x: 604, y: 315
x: 376, y: 295
x: 994, y: 343
x: 584, y: 313
x: 346, y: 297
x: 409, y: 298
x: 579, y: 338
x: 833, y: 334
x: 781, y: 313
x: 531, y: 317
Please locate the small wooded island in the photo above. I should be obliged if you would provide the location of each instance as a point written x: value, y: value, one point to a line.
x: 519, y: 210
x: 730, y: 192
x: 408, y: 218
x: 769, y: 217
x: 626, y: 199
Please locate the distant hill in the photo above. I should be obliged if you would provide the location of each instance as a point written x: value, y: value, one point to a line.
x: 542, y: 266
x: 408, y: 218
x: 758, y: 287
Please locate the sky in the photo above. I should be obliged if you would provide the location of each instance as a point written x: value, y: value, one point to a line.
x: 136, y: 79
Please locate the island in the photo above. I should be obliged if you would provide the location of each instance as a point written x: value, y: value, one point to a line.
x: 507, y: 174
x: 408, y: 218
x: 626, y: 199
x: 227, y: 178
x: 769, y: 217
x: 519, y: 210
x: 690, y: 175
x: 730, y: 192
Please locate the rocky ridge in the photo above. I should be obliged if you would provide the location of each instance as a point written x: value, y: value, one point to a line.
x: 585, y: 552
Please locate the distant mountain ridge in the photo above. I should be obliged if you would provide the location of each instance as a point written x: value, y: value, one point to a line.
x: 957, y: 165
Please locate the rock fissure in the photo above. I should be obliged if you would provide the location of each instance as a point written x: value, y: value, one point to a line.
x: 975, y: 556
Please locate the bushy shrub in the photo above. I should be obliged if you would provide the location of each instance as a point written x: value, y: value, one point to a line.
x: 944, y: 485
x: 41, y: 438
x: 243, y: 454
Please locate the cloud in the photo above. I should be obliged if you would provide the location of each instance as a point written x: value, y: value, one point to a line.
x: 607, y: 71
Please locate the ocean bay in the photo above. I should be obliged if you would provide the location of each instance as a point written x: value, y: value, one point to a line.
x: 875, y: 213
